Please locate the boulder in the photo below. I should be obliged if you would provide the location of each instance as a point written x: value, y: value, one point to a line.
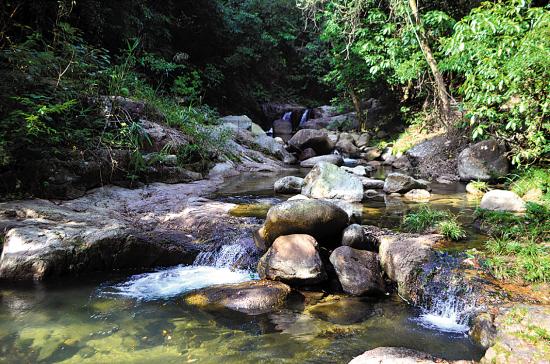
x: 436, y: 156
x: 363, y: 140
x: 354, y: 210
x: 374, y: 195
x: 162, y: 137
x: 282, y: 127
x: 401, y: 183
x: 306, y: 154
x: 402, y: 257
x: 395, y: 355
x: 307, y: 138
x: 500, y: 200
x: 325, y: 111
x: 293, y: 259
x: 483, y: 161
x: 402, y: 163
x: 418, y: 195
x: 298, y: 197
x: 320, y: 219
x: 288, y: 185
x: 241, y: 122
x: 346, y: 145
x: 473, y: 190
x: 331, y: 158
x: 326, y: 180
x: 358, y: 271
x: 354, y: 236
x: 371, y: 153
x: 255, y: 297
x: 358, y: 171
x: 370, y: 183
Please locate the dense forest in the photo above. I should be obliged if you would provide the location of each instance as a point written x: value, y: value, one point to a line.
x: 294, y: 181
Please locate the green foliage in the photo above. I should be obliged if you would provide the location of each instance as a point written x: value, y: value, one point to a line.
x: 502, y: 49
x: 532, y: 179
x: 443, y: 222
x: 481, y: 186
x: 518, y: 248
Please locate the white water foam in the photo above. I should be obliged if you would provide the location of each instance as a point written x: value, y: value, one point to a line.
x: 442, y: 323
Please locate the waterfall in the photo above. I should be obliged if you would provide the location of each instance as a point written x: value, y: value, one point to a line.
x: 305, y: 117
x: 228, y: 264
x: 287, y: 116
x: 447, y: 300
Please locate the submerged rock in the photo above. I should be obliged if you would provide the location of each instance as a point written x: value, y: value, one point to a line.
x: 293, y: 259
x: 255, y: 297
x: 358, y: 271
x: 331, y: 158
x: 309, y: 138
x: 418, y: 195
x: 326, y: 180
x: 289, y: 185
x: 500, y: 200
x: 395, y: 355
x: 401, y: 183
x: 320, y: 219
x: 483, y: 161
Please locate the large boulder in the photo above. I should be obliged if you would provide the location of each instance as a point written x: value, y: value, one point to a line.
x: 326, y: 180
x: 358, y: 271
x: 240, y: 122
x: 483, y: 161
x: 396, y: 355
x: 288, y: 185
x: 293, y: 259
x: 501, y: 200
x: 418, y: 195
x: 307, y: 138
x: 320, y: 219
x: 330, y: 158
x: 401, y: 183
x: 436, y: 156
x: 403, y: 256
x: 346, y: 145
x: 370, y: 183
x: 307, y: 154
x: 282, y: 127
x: 253, y: 298
x: 354, y: 236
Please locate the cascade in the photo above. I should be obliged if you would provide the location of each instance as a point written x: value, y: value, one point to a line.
x: 305, y: 116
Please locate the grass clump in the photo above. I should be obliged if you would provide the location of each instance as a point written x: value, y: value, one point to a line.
x: 519, y: 247
x: 426, y: 218
x: 481, y: 186
x: 530, y: 180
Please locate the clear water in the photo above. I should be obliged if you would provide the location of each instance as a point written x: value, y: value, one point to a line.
x: 141, y: 318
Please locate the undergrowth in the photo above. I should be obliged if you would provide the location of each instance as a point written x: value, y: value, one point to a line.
x: 426, y: 218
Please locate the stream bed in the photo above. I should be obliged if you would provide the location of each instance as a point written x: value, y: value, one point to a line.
x: 140, y: 317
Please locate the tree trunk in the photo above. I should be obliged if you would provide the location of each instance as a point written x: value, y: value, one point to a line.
x: 358, y: 110
x: 440, y: 85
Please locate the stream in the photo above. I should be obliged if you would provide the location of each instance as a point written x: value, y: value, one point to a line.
x: 125, y: 317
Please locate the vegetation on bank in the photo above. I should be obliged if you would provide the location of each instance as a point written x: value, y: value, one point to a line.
x: 426, y: 218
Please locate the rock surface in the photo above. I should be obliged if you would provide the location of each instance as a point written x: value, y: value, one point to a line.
x: 354, y: 236
x: 326, y: 180
x: 331, y: 158
x: 393, y: 355
x: 253, y: 298
x: 289, y: 185
x: 483, y: 161
x: 308, y: 138
x: 293, y: 259
x: 401, y: 183
x: 418, y: 195
x: 320, y: 219
x: 501, y: 200
x: 358, y: 271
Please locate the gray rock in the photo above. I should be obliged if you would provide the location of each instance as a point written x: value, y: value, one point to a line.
x: 370, y: 183
x: 395, y: 355
x: 500, y: 200
x: 346, y: 145
x: 331, y: 158
x: 358, y: 171
x: 282, y: 127
x: 483, y: 161
x: 371, y: 153
x: 320, y: 219
x: 326, y: 180
x: 255, y: 297
x: 293, y: 259
x: 358, y: 271
x: 402, y: 163
x: 374, y: 196
x: 307, y: 138
x: 307, y: 154
x: 288, y: 185
x: 241, y: 122
x: 363, y: 140
x: 401, y: 183
x: 354, y: 236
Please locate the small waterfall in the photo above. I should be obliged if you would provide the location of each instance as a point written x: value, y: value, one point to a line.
x: 228, y: 264
x: 447, y: 300
x: 305, y: 117
x: 287, y: 116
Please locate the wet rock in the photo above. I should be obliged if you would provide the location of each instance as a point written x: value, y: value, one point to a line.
x: 395, y: 355
x: 342, y: 310
x: 331, y: 158
x: 483, y: 161
x: 500, y: 200
x: 308, y: 153
x: 483, y: 330
x: 241, y: 122
x: 253, y: 298
x: 298, y: 197
x: 354, y: 236
x: 326, y: 180
x: 358, y: 171
x: 418, y: 195
x: 354, y: 210
x: 289, y: 185
x: 370, y: 183
x: 402, y: 257
x: 321, y: 219
x: 346, y: 145
x: 363, y: 140
x: 401, y: 183
x: 293, y: 259
x: 374, y: 195
x: 358, y: 271
x: 371, y: 153
x: 402, y: 163
x: 308, y: 138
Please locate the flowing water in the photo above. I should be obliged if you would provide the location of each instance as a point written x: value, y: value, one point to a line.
x: 141, y: 318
